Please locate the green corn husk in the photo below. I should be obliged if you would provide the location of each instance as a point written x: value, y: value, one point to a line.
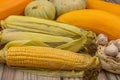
x: 45, y: 26
x: 7, y: 36
x: 60, y: 42
x: 25, y: 23
x: 75, y: 45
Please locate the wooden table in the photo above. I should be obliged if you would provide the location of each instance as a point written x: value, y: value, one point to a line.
x: 11, y: 74
x: 116, y: 1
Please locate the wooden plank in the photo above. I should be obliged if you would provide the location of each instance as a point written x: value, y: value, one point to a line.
x: 117, y: 1
x: 31, y: 76
x: 18, y: 75
x: 72, y: 79
x: 102, y: 76
x: 111, y: 0
x: 111, y: 76
x: 1, y: 70
x: 11, y: 74
x: 48, y: 78
x: 8, y: 74
x: 118, y: 77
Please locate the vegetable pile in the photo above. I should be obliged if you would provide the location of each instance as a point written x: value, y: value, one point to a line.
x: 69, y: 38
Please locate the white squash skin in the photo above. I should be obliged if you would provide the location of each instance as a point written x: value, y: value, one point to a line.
x: 63, y: 6
x: 43, y: 9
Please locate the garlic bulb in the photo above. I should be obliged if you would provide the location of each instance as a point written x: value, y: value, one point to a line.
x: 63, y: 6
x: 111, y: 50
x: 102, y: 39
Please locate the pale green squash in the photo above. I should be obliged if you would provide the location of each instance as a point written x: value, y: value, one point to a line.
x: 40, y: 9
x: 63, y: 6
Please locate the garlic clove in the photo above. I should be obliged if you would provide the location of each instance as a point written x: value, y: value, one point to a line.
x: 111, y: 50
x: 102, y: 39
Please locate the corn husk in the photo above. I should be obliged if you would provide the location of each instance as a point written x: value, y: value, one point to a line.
x: 10, y: 35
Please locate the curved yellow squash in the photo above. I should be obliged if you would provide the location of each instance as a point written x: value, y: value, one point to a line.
x: 102, y: 5
x: 94, y: 20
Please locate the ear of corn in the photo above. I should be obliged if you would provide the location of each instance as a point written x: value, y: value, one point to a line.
x: 19, y: 43
x: 60, y: 42
x: 48, y: 58
x: 55, y: 61
x: 25, y: 23
x: 22, y: 56
x: 18, y: 35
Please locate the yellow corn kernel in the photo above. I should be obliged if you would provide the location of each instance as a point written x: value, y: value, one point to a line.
x: 48, y: 58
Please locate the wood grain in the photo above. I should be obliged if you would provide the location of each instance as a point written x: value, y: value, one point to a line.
x: 102, y: 76
x: 111, y: 76
x: 72, y: 79
x: 1, y: 70
x: 8, y: 74
x: 19, y: 75
x: 116, y: 1
x: 118, y: 77
x: 11, y: 74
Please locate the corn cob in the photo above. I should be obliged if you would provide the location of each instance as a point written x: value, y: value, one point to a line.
x: 18, y: 35
x: 32, y: 24
x: 48, y: 58
x: 19, y: 43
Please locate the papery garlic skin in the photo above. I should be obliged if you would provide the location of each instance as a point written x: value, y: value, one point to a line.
x: 102, y: 39
x: 118, y: 56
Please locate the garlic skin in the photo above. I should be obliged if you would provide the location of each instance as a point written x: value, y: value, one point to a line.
x: 112, y: 42
x: 102, y: 39
x: 118, y: 56
x: 118, y: 43
x: 111, y: 50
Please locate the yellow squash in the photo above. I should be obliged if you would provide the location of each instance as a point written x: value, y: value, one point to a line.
x: 102, y: 5
x: 95, y: 20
